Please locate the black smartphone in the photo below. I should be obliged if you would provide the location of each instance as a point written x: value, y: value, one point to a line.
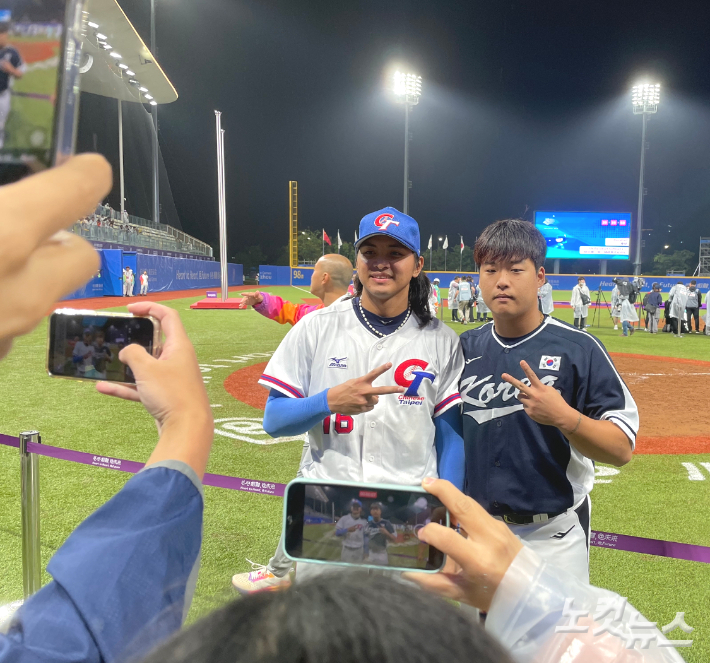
x: 40, y: 52
x: 84, y: 345
x: 363, y: 525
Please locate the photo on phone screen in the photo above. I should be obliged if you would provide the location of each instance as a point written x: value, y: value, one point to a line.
x: 32, y: 58
x: 361, y: 525
x: 86, y: 347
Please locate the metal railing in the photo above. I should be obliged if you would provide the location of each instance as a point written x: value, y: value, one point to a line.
x: 136, y: 231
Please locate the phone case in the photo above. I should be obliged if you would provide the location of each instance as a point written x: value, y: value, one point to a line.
x: 355, y: 484
x: 157, y: 339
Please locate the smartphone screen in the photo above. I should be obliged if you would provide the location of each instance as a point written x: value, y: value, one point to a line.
x: 39, y: 51
x: 86, y: 347
x: 361, y: 525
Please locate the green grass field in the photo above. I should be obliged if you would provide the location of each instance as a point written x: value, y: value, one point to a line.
x: 650, y: 497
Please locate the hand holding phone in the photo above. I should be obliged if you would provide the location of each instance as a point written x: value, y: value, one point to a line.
x: 169, y: 386
x: 477, y: 558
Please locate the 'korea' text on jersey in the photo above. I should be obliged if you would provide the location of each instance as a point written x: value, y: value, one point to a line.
x: 513, y: 464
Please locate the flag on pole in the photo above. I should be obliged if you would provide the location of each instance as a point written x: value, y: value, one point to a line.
x: 326, y: 239
x: 429, y: 247
x: 446, y: 243
x: 461, y: 243
x: 340, y: 242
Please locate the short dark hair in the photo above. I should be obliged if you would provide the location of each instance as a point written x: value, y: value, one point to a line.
x: 580, y: 278
x: 376, y: 618
x: 510, y: 239
x: 692, y: 282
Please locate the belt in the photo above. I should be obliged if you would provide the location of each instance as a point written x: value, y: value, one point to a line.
x: 521, y: 519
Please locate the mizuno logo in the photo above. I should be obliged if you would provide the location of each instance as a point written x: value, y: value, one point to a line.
x: 562, y: 535
x: 468, y: 361
x: 337, y: 362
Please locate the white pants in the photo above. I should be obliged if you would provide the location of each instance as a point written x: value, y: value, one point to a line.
x: 563, y: 541
x: 125, y: 288
x: 144, y: 289
x: 130, y: 289
x: 380, y: 558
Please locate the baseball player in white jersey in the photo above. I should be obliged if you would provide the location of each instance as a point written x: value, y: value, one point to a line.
x: 351, y: 528
x: 372, y: 379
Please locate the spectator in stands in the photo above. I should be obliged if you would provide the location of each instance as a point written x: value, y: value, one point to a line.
x: 653, y: 306
x: 692, y: 307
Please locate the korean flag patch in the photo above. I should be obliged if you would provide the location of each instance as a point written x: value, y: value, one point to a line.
x: 550, y: 363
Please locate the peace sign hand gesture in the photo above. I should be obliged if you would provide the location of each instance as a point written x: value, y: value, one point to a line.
x: 543, y: 404
x: 358, y: 395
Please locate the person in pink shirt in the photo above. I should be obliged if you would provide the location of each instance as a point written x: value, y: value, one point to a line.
x: 330, y: 280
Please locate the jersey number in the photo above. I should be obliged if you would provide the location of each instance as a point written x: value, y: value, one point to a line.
x: 343, y: 425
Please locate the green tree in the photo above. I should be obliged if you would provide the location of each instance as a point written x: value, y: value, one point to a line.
x: 678, y: 261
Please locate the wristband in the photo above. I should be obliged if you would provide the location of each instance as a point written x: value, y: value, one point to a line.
x: 574, y: 430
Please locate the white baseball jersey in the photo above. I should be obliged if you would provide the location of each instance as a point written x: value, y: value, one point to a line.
x: 394, y: 443
x: 356, y: 538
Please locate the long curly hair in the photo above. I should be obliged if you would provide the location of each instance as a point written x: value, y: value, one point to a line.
x: 419, y: 290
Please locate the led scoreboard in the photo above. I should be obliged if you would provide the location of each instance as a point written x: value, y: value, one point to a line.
x: 594, y: 235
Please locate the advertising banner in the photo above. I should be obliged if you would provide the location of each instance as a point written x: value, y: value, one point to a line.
x: 165, y: 273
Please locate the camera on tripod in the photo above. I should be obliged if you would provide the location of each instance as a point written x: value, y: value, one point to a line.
x: 629, y: 289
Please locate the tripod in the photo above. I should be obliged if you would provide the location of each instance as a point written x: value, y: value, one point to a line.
x: 597, y: 306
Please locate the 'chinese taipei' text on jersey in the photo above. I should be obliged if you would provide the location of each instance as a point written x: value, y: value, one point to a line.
x: 393, y: 443
x: 513, y: 464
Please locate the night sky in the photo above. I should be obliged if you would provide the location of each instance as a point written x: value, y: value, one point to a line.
x: 525, y: 104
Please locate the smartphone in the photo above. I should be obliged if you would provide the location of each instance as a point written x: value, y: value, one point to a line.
x: 363, y: 525
x: 40, y: 53
x: 84, y: 345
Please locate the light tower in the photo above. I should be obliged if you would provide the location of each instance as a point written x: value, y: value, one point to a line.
x: 408, y: 89
x: 644, y: 100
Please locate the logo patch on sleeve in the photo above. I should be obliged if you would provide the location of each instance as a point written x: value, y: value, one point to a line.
x: 550, y: 363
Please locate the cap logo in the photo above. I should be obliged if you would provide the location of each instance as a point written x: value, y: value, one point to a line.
x: 383, y: 221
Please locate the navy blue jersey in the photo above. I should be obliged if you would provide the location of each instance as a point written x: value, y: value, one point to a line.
x: 13, y: 57
x: 514, y: 464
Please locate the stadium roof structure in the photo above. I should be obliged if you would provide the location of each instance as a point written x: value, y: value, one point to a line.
x: 115, y: 60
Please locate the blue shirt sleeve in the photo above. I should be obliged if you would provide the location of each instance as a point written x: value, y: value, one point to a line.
x: 448, y: 439
x: 123, y: 578
x: 285, y: 416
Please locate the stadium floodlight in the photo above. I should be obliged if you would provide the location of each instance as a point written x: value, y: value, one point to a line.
x: 143, y: 89
x: 91, y: 24
x: 130, y: 73
x: 123, y: 66
x: 101, y: 37
x: 106, y: 47
x: 153, y: 103
x: 148, y: 96
x: 407, y: 87
x: 113, y: 54
x: 645, y: 98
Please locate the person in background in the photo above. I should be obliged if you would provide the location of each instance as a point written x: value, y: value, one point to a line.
x: 677, y: 298
x: 628, y: 316
x: 144, y: 283
x: 481, y: 309
x: 351, y: 529
x: 692, y: 307
x: 435, y: 298
x: 380, y: 532
x: 131, y: 282
x: 653, y: 306
x: 544, y: 296
x: 329, y: 282
x: 615, y: 306
x: 454, y: 299
x: 580, y: 302
x: 83, y: 355
x: 11, y: 67
x: 124, y: 278
x: 465, y: 296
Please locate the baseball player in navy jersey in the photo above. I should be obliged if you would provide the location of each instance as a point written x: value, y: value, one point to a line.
x: 542, y: 400
x: 11, y: 66
x: 373, y: 379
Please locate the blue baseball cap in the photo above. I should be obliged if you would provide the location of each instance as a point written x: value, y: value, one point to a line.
x: 391, y: 222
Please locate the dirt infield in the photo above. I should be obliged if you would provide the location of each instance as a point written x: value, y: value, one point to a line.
x: 668, y: 425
